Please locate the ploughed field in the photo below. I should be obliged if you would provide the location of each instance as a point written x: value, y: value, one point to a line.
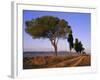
x: 36, y: 62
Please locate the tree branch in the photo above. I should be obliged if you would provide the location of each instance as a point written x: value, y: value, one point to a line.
x: 57, y: 40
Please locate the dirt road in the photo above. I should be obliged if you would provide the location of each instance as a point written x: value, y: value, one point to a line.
x: 70, y: 63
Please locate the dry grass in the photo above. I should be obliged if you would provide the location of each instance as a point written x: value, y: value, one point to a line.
x: 56, y: 61
x: 85, y: 61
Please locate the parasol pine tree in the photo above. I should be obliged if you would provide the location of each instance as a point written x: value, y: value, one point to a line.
x: 49, y: 27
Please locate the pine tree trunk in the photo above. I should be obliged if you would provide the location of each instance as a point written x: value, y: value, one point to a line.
x: 54, y: 44
x: 55, y: 48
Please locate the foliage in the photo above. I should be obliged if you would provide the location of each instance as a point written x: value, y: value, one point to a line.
x: 78, y: 46
x: 70, y: 40
x: 49, y: 27
x: 81, y: 48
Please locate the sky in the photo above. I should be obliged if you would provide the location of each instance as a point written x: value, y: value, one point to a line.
x: 79, y: 22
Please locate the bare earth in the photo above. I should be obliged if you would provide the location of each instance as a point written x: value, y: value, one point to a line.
x: 56, y: 61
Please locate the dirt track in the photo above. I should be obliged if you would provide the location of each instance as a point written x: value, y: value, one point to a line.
x: 57, y: 61
x: 70, y: 63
